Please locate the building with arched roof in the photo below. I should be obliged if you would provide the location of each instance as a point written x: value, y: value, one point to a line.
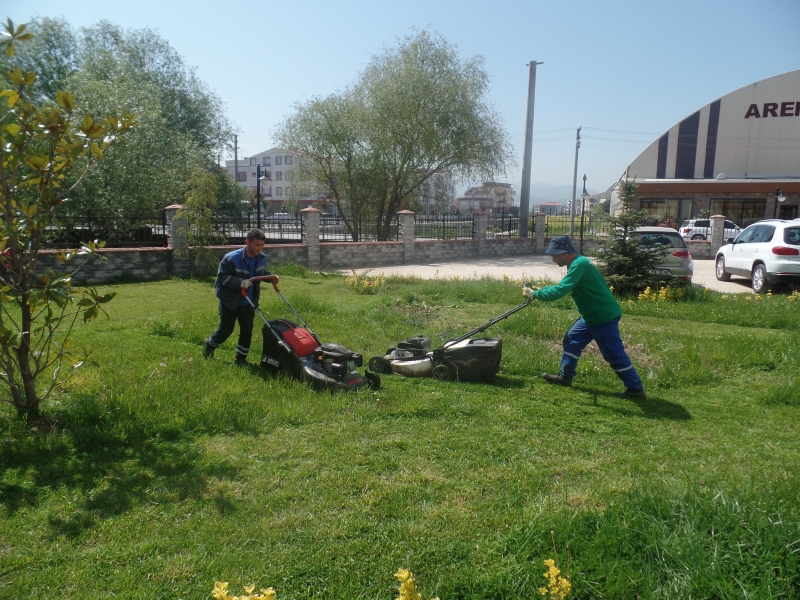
x: 730, y: 157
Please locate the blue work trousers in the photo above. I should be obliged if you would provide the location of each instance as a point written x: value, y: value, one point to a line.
x: 610, y: 343
x: 227, y: 320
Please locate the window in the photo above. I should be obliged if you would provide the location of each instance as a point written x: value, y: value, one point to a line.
x: 791, y: 235
x: 267, y: 191
x: 279, y: 191
x: 288, y: 160
x: 266, y: 161
x: 277, y: 160
x: 268, y: 174
x: 252, y: 162
x: 286, y: 190
x: 666, y: 239
x: 742, y: 212
x: 278, y: 176
x: 745, y: 236
x: 763, y: 233
x: 667, y: 212
x: 242, y: 176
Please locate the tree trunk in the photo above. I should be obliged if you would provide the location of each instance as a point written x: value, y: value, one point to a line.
x: 29, y: 404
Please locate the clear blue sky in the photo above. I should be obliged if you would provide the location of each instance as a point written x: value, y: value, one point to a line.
x: 633, y: 66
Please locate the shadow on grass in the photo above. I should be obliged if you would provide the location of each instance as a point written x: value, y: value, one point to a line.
x: 106, y: 469
x: 652, y: 408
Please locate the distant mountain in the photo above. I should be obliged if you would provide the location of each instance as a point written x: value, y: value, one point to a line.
x: 541, y: 191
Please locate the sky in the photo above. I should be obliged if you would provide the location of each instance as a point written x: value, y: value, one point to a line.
x: 624, y: 70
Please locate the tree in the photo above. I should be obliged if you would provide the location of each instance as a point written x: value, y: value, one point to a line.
x: 627, y: 264
x: 43, y: 147
x: 417, y: 109
x: 182, y: 126
x: 199, y: 206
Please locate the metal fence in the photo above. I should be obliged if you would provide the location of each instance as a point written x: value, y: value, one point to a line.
x: 117, y: 232
x: 358, y: 229
x: 443, y: 227
x: 505, y: 226
x: 595, y: 226
x: 283, y: 228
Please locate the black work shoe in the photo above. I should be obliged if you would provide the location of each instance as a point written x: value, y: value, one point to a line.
x: 635, y: 394
x: 208, y: 350
x: 557, y: 379
x: 241, y: 361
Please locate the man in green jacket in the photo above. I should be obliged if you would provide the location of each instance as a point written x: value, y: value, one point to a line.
x: 599, y: 320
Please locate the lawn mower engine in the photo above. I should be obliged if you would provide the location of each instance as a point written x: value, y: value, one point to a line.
x: 296, y: 352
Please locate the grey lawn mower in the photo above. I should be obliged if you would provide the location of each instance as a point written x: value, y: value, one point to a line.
x: 464, y: 358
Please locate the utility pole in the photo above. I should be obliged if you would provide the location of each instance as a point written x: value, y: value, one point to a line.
x: 574, y: 184
x: 236, y: 158
x: 259, y: 177
x: 525, y: 192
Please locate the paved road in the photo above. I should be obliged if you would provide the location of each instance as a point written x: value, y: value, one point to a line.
x: 537, y: 267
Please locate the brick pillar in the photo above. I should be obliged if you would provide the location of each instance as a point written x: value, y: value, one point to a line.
x: 310, y: 218
x: 479, y: 220
x: 717, y: 233
x: 405, y: 220
x: 540, y: 220
x: 178, y: 233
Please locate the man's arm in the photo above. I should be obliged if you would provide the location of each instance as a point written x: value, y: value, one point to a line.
x: 562, y: 288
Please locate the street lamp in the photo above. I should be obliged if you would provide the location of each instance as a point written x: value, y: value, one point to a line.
x: 779, y: 197
x: 583, y: 208
x: 259, y: 177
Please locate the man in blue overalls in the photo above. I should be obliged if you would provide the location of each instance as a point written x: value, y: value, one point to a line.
x: 234, y: 274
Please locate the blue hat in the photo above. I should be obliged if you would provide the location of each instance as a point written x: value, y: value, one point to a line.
x: 560, y: 245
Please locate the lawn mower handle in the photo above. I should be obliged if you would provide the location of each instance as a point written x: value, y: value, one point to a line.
x: 273, y: 279
x: 490, y: 323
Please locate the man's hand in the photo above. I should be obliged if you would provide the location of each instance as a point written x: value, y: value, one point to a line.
x: 246, y: 284
x: 528, y: 291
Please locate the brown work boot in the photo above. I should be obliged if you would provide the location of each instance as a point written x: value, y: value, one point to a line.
x: 635, y: 394
x: 208, y: 350
x: 557, y: 379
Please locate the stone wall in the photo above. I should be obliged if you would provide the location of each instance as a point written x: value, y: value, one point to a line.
x: 356, y: 255
x: 178, y: 259
x: 120, y: 264
x: 434, y: 251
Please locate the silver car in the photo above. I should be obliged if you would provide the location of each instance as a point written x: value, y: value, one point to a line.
x: 678, y: 261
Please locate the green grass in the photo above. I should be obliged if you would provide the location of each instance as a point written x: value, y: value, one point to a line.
x: 166, y: 472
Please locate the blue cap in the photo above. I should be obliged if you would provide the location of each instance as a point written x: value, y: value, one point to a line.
x: 560, y: 245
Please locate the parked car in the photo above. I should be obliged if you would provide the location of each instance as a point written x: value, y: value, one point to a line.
x: 678, y: 261
x: 700, y: 229
x: 767, y: 253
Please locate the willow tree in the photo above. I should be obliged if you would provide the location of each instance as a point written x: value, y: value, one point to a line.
x: 418, y: 109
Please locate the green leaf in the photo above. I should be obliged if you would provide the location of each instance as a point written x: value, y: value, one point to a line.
x: 90, y: 314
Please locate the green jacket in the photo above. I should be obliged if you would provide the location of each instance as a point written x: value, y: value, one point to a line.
x: 589, y: 290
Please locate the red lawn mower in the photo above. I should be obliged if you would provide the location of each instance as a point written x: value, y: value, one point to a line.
x: 298, y: 352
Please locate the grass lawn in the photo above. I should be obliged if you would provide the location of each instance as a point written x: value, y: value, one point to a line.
x: 167, y: 472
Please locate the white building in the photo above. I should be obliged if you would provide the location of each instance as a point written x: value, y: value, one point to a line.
x: 278, y: 164
x: 730, y: 157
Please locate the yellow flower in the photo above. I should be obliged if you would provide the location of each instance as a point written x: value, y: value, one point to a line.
x: 248, y: 589
x: 220, y: 591
x: 725, y: 297
x: 268, y: 594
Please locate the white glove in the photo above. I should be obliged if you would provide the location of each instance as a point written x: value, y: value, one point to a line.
x: 528, y: 292
x: 246, y: 284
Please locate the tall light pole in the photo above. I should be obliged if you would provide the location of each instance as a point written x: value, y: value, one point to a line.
x: 259, y: 177
x: 574, y: 184
x: 525, y: 192
x: 780, y: 197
